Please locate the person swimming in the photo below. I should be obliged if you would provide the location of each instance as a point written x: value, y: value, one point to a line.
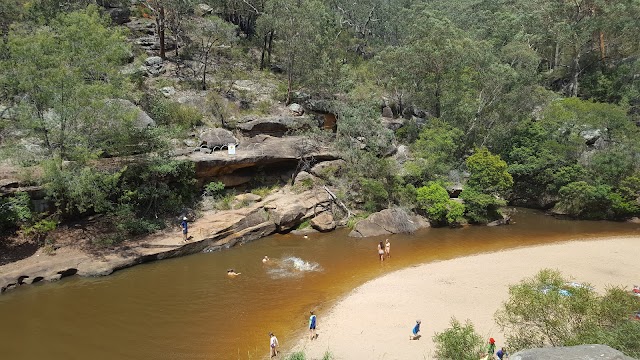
x: 265, y: 259
x: 232, y: 273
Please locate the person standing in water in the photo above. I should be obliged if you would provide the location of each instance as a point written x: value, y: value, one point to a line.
x: 387, y: 248
x: 313, y: 321
x: 381, y: 251
x: 273, y: 345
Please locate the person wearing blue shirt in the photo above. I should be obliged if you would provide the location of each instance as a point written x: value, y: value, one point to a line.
x: 185, y: 228
x: 416, y: 329
x: 312, y: 326
x: 502, y: 354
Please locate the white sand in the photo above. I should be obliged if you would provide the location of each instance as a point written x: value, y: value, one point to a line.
x: 375, y: 320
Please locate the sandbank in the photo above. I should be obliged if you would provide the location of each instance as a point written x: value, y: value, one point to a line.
x: 374, y: 321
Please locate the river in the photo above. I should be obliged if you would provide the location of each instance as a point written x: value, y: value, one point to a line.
x: 187, y: 308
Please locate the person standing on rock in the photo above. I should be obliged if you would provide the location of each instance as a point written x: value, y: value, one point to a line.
x: 313, y: 321
x: 273, y: 345
x: 185, y: 228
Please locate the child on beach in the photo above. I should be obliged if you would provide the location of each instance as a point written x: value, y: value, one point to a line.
x: 312, y: 326
x: 502, y: 354
x: 381, y: 251
x: 416, y: 329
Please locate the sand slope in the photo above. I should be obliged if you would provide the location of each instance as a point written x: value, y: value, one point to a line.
x: 375, y: 320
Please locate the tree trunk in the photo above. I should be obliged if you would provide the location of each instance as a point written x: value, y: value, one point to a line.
x: 264, y: 51
x: 160, y: 23
x: 270, y: 47
x: 575, y: 74
x: 289, y: 79
x: 204, y: 72
x: 556, y: 58
x: 602, y: 49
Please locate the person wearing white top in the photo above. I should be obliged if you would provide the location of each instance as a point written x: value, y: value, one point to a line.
x: 273, y: 345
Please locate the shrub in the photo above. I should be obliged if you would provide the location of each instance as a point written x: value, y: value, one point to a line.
x: 546, y: 310
x: 434, y: 199
x: 15, y: 211
x: 481, y: 208
x: 459, y: 342
x: 214, y: 188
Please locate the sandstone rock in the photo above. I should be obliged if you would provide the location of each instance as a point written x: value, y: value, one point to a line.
x: 580, y: 352
x: 275, y: 125
x: 296, y: 109
x: 217, y: 138
x: 304, y: 177
x: 203, y: 10
x: 634, y: 220
x: 326, y: 169
x: 141, y: 26
x: 389, y: 221
x: 168, y: 91
x: 391, y: 123
x: 143, y: 120
x: 506, y: 220
x: 402, y: 154
x: 119, y: 15
x: 323, y: 222
x: 387, y: 112
x: 248, y: 198
x: 153, y: 65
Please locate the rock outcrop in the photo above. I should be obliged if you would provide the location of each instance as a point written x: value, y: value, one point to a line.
x: 265, y: 151
x: 580, y: 352
x: 323, y: 222
x: 387, y: 222
x: 275, y: 125
x: 281, y: 211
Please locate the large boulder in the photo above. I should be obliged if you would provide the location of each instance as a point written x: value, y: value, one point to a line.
x: 153, y: 65
x: 323, y: 222
x: 217, y: 138
x: 203, y: 10
x: 387, y: 222
x: 275, y: 125
x: 580, y: 352
x: 119, y: 15
x: 143, y: 120
x: 326, y: 169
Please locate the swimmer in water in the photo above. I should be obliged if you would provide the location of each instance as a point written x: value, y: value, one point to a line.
x: 265, y: 259
x: 232, y: 273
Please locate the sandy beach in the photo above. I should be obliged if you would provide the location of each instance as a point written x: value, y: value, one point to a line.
x: 374, y: 321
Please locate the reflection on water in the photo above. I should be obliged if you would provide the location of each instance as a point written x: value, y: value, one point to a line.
x: 290, y: 266
x: 188, y: 308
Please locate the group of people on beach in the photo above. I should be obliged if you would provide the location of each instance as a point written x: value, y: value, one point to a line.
x: 384, y: 249
x: 492, y: 354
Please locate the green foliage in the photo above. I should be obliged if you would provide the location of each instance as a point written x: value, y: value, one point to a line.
x: 488, y: 172
x: 585, y: 201
x: 166, y: 112
x: 374, y: 194
x: 458, y: 342
x: 481, y: 208
x: 62, y: 75
x: 15, y: 211
x: 296, y: 356
x: 434, y: 199
x: 39, y: 230
x: 214, y: 188
x: 548, y: 310
x: 437, y: 150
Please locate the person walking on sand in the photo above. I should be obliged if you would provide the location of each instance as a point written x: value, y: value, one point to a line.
x: 381, y: 251
x: 185, y: 228
x: 416, y: 329
x: 491, y: 349
x: 273, y: 345
x: 502, y: 354
x: 313, y: 321
x: 387, y: 248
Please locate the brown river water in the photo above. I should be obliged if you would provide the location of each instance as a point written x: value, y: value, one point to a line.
x: 187, y: 308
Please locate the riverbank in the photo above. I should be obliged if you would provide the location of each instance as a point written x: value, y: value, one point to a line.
x: 214, y: 230
x: 374, y: 321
